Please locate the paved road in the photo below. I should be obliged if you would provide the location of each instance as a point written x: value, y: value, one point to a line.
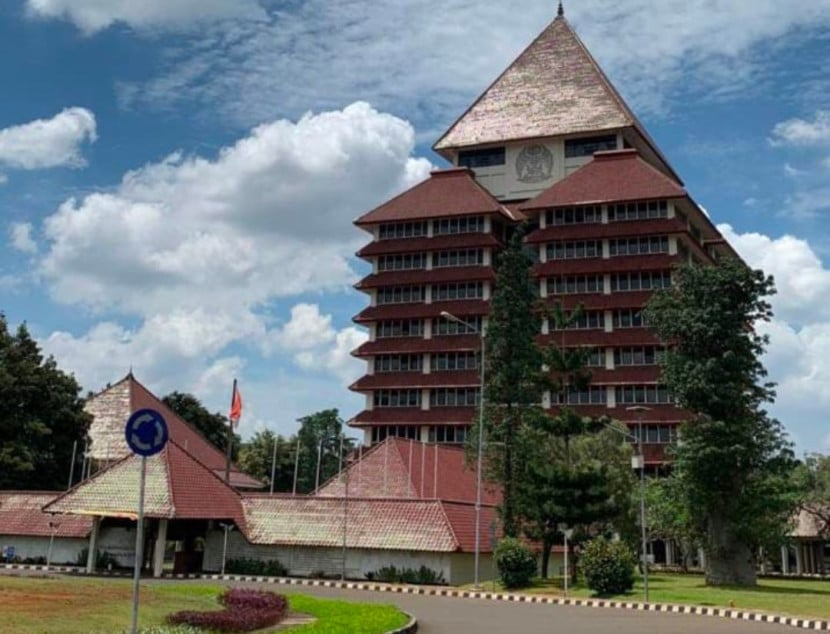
x: 442, y: 615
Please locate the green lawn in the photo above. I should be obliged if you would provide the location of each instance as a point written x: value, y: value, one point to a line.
x: 780, y: 596
x: 85, y: 606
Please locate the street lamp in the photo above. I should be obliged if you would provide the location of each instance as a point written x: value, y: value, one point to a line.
x: 639, y: 409
x: 53, y: 528
x: 345, y: 476
x: 227, y: 528
x: 480, y: 332
x: 567, y: 534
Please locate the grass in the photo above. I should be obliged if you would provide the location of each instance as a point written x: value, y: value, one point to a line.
x: 808, y: 598
x: 32, y: 605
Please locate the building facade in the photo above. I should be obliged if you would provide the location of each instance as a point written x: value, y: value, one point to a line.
x: 553, y: 144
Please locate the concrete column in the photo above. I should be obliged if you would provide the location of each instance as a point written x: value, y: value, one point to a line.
x: 785, y: 560
x: 799, y: 559
x: 158, y: 551
x: 701, y: 556
x: 609, y: 321
x: 93, y: 545
x: 543, y: 287
x: 426, y: 364
x: 425, y: 399
x: 429, y: 255
x: 669, y: 552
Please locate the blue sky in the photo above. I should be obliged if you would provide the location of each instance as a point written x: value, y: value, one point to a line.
x: 178, y: 177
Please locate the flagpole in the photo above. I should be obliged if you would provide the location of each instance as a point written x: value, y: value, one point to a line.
x: 230, y: 439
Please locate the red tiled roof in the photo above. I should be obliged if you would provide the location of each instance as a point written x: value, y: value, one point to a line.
x: 416, y: 379
x: 434, y: 276
x: 463, y: 522
x: 408, y: 345
x: 178, y: 486
x: 21, y: 513
x: 437, y: 243
x: 188, y: 437
x: 460, y: 308
x: 451, y: 192
x: 616, y: 176
x: 662, y: 226
x: 412, y: 415
x: 385, y: 470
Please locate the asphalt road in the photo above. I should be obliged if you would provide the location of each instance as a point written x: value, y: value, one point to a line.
x: 442, y: 615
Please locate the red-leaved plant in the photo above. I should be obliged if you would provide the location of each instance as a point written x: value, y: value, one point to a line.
x: 245, y: 611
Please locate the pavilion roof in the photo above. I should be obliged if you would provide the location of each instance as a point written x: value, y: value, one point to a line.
x: 21, y: 513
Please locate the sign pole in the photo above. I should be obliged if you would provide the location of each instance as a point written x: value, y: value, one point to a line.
x: 139, y: 544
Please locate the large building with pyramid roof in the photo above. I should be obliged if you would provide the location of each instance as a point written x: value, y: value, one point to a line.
x: 551, y: 142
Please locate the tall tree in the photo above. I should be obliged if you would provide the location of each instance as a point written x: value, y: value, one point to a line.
x: 319, y: 435
x: 213, y: 426
x: 733, y: 468
x: 42, y: 415
x: 256, y: 458
x: 514, y: 377
x: 668, y: 516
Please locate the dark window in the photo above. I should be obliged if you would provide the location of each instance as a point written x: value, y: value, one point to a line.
x: 451, y: 226
x: 398, y: 363
x: 638, y: 211
x: 573, y: 216
x: 397, y: 398
x: 441, y: 326
x: 488, y: 157
x: 447, y: 434
x: 454, y: 397
x: 459, y: 290
x: 575, y: 148
x: 449, y: 361
x: 403, y: 230
x: 399, y: 328
x: 463, y: 257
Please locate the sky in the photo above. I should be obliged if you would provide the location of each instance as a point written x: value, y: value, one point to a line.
x: 178, y: 178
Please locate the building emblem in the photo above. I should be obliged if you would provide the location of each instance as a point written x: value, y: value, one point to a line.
x: 534, y: 164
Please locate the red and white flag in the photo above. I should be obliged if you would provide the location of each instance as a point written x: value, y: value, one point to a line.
x: 236, y: 406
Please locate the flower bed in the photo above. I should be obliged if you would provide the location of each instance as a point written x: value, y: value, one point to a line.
x: 245, y: 611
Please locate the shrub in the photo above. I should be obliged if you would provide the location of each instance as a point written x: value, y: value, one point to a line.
x: 256, y: 567
x: 245, y: 611
x: 170, y: 629
x: 103, y: 559
x: 421, y: 576
x: 607, y: 567
x: 515, y: 562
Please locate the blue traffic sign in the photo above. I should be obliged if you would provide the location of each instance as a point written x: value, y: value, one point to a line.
x: 146, y: 432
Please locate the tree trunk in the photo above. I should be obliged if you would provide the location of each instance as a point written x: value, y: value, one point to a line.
x: 546, y: 546
x: 729, y: 562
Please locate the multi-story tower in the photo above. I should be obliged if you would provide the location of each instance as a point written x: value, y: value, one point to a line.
x: 551, y: 142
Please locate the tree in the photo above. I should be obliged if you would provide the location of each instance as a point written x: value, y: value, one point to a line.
x: 514, y: 377
x: 319, y: 432
x: 256, y: 459
x: 813, y: 482
x: 213, y: 426
x: 41, y: 418
x: 668, y: 517
x: 733, y: 467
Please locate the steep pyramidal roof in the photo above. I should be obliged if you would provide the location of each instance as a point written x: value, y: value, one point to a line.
x: 554, y: 87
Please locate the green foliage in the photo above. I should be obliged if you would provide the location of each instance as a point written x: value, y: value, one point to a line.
x: 514, y: 376
x: 668, y: 516
x: 256, y: 455
x: 319, y: 430
x: 170, y: 629
x: 103, y: 559
x: 420, y: 576
x: 515, y: 562
x: 41, y: 415
x: 812, y: 479
x: 733, y: 468
x: 607, y: 567
x: 213, y: 426
x: 256, y: 567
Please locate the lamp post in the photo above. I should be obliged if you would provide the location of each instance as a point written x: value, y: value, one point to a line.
x: 639, y: 409
x: 345, y: 476
x: 53, y: 528
x: 567, y: 533
x: 639, y: 461
x: 227, y: 528
x: 480, y: 332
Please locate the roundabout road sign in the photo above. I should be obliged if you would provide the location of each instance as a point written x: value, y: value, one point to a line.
x: 146, y: 432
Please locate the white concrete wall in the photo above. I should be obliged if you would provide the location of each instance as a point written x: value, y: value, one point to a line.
x: 120, y: 543
x: 306, y: 560
x: 64, y: 551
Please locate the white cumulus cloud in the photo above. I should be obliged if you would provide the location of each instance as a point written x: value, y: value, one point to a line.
x: 20, y: 234
x: 43, y: 143
x: 93, y: 15
x: 803, y: 132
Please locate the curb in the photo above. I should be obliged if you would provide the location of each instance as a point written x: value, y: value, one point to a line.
x: 441, y: 591
x: 409, y: 628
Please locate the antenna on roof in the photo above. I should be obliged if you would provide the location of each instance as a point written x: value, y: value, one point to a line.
x: 561, y: 11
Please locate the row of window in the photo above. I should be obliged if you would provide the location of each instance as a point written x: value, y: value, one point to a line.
x: 468, y: 360
x: 574, y: 148
x: 441, y: 259
x: 441, y: 227
x: 638, y: 246
x: 638, y: 211
x: 574, y: 284
x: 457, y: 290
x: 439, y: 397
x: 576, y: 250
x: 642, y: 281
x: 652, y: 433
x: 624, y: 394
x: 399, y: 328
x: 401, y: 295
x: 573, y: 216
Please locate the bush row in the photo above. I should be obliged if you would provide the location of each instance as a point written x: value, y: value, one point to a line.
x: 245, y: 611
x: 257, y: 567
x: 421, y: 576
